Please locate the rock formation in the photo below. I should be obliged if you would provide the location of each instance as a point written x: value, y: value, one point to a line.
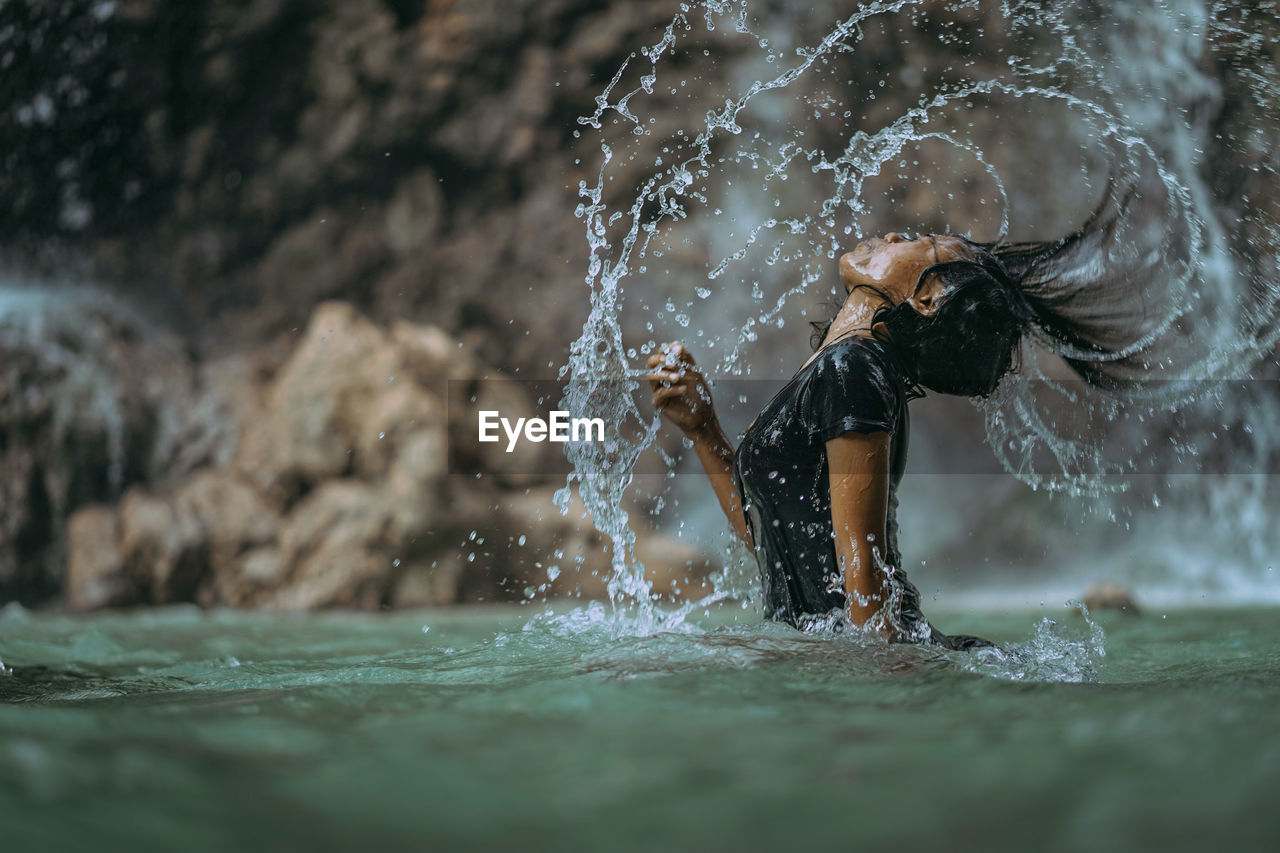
x: 339, y: 492
x: 232, y: 165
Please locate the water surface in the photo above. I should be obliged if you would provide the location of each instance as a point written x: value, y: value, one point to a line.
x: 477, y: 728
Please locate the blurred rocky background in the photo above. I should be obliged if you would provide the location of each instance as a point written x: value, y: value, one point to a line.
x: 244, y: 245
x: 300, y: 220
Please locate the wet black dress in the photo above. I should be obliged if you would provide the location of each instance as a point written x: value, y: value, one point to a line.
x: 781, y: 474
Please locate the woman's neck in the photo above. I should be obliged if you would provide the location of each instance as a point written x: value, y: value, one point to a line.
x: 853, y: 318
x: 855, y: 315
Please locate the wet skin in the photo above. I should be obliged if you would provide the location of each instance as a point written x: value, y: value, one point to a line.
x: 889, y: 269
x: 877, y: 271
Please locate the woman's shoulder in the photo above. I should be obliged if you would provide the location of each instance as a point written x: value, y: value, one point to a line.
x: 852, y: 385
x: 859, y: 353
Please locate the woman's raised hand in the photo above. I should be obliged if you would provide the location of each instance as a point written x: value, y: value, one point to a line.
x: 681, y: 394
x: 680, y: 391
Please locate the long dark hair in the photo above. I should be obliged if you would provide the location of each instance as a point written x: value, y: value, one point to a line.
x: 1088, y: 290
x: 971, y: 341
x: 1003, y: 291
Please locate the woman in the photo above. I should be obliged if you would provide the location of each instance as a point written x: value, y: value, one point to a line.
x: 812, y: 487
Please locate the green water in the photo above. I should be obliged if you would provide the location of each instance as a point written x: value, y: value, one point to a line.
x: 182, y: 730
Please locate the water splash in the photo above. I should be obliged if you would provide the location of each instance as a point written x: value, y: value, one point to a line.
x: 1053, y: 653
x: 728, y: 158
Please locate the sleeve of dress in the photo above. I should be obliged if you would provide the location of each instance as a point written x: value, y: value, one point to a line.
x: 848, y: 391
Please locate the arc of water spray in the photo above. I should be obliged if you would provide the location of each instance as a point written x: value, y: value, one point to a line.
x: 600, y: 379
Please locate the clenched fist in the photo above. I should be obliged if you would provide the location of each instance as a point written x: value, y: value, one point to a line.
x: 680, y: 391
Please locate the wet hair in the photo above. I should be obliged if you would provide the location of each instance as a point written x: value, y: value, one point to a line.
x: 972, y: 339
x: 970, y: 342
x: 1081, y: 296
x: 1088, y: 291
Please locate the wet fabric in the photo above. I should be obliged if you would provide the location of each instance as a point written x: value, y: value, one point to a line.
x: 852, y: 385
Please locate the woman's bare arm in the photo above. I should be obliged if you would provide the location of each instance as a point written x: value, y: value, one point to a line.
x: 680, y: 393
x: 717, y: 457
x: 859, y: 474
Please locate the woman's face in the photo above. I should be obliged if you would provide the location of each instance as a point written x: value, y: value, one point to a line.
x: 893, y: 264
